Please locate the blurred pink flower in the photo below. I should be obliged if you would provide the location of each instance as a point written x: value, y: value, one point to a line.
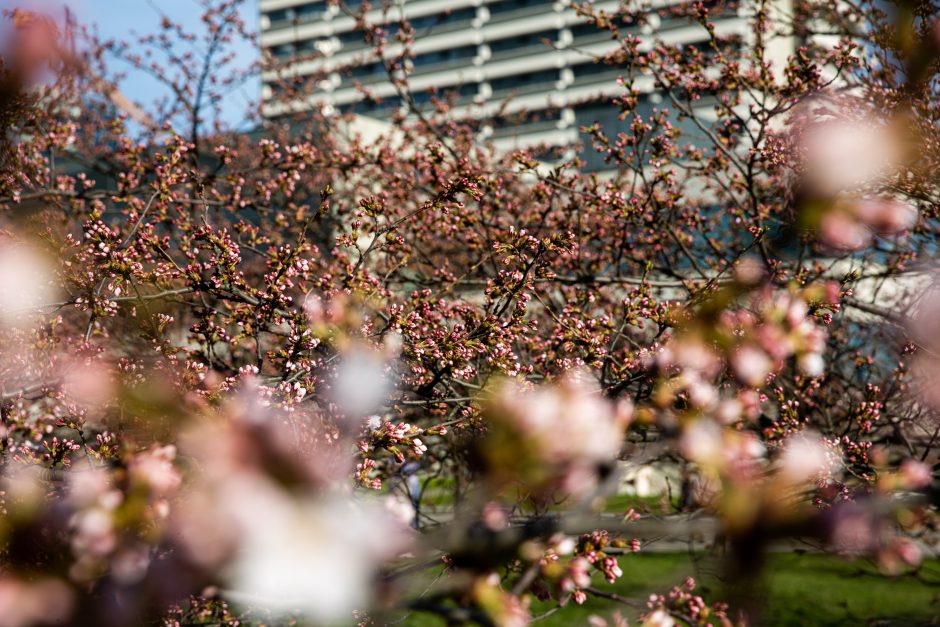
x: 40, y: 601
x: 811, y: 364
x: 567, y: 428
x: 27, y: 283
x: 885, y: 216
x: 658, y: 618
x: 849, y: 223
x: 154, y: 468
x: 34, y: 44
x: 914, y: 474
x: 751, y: 365
x: 317, y: 555
x: 804, y: 457
x: 925, y: 323
x: 841, y: 230
x: 88, y: 383
x: 924, y: 327
x: 701, y: 442
x: 843, y: 150
x: 900, y: 552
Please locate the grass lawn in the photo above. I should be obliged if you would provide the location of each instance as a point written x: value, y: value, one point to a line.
x: 798, y: 590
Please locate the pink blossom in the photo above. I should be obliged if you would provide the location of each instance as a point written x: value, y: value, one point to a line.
x: 154, y: 468
x: 751, y: 365
x: 658, y: 618
x: 45, y: 600
x: 914, y: 474
x: 844, y: 151
x: 841, y: 230
x: 27, y: 283
x: 885, y: 216
x: 804, y: 457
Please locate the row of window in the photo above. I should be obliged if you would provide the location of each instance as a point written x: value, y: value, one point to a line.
x: 312, y: 11
x: 506, y: 6
x: 302, y: 14
x: 420, y: 98
x: 315, y: 10
x: 448, y: 55
x: 586, y: 114
x: 516, y: 83
x: 499, y: 48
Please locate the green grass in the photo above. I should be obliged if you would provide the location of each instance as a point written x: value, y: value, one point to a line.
x: 796, y: 590
x: 822, y: 590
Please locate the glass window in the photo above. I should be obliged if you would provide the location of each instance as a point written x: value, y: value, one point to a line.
x: 594, y: 69
x: 296, y: 15
x: 280, y: 17
x: 445, y: 56
x: 514, y: 5
x: 521, y: 81
x: 523, y: 41
x: 368, y: 69
x: 283, y: 51
x: 608, y: 117
x: 372, y: 107
x: 467, y: 89
x: 430, y: 21
x: 309, y: 12
x: 515, y: 123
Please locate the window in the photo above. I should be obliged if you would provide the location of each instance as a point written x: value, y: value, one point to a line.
x: 307, y: 46
x: 608, y: 117
x: 524, y: 82
x: 462, y: 91
x: 509, y: 45
x: 447, y: 55
x: 351, y: 36
x: 309, y: 12
x: 586, y: 73
x: 380, y: 106
x: 586, y: 30
x: 280, y: 18
x: 281, y: 52
x: 430, y: 21
x: 514, y: 5
x: 368, y: 70
x: 525, y: 122
x: 302, y: 14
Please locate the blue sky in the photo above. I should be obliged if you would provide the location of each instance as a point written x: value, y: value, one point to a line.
x: 120, y: 18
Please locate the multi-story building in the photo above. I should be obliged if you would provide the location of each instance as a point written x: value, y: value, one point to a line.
x: 540, y: 53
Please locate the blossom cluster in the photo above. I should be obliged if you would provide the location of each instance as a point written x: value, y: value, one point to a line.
x: 319, y: 376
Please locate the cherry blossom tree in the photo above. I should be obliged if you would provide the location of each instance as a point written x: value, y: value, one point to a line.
x: 236, y: 367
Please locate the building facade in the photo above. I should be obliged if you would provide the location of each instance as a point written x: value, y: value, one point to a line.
x: 538, y: 54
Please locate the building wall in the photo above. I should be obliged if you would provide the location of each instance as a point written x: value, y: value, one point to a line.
x: 483, y: 50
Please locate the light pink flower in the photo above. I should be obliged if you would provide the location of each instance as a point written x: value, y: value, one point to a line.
x: 884, y: 215
x: 658, y: 618
x: 811, y: 364
x: 41, y: 601
x: 915, y: 474
x: 804, y: 458
x: 844, y: 152
x: 841, y: 230
x: 27, y: 283
x: 154, y: 468
x: 751, y: 365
